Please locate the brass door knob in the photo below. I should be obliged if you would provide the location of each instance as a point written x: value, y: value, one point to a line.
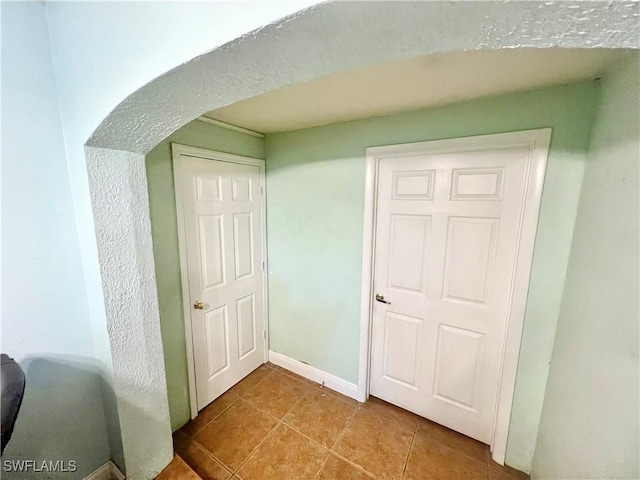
x: 380, y: 298
x: 198, y: 305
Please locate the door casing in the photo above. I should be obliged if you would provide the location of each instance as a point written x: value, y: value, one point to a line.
x: 178, y: 151
x: 538, y: 142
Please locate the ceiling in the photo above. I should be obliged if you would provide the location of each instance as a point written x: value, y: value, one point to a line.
x: 413, y: 84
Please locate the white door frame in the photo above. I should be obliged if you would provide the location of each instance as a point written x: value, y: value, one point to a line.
x: 178, y: 151
x: 538, y: 143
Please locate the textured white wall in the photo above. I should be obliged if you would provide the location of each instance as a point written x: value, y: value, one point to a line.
x: 123, y: 230
x: 102, y: 52
x: 590, y: 426
x: 339, y: 36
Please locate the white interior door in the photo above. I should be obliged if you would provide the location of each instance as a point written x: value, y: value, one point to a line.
x: 222, y: 223
x: 447, y: 235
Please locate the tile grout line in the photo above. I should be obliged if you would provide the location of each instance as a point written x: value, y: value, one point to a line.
x: 254, y: 385
x: 211, y: 456
x: 413, y: 439
x: 235, y: 471
x: 281, y: 421
x: 310, y: 386
x: 218, y: 460
x: 344, y: 431
x: 458, y: 450
x: 271, y: 432
x: 394, y: 422
x: 239, y: 396
x: 312, y: 439
x: 302, y: 395
x: 360, y: 406
x: 322, y: 466
x: 268, y: 435
x: 305, y: 394
x: 298, y: 431
x: 355, y: 466
x: 306, y: 436
x: 191, y: 437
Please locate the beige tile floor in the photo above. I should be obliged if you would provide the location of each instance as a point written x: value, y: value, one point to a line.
x: 277, y: 425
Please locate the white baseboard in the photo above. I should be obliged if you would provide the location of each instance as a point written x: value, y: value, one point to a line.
x: 108, y: 471
x: 315, y: 375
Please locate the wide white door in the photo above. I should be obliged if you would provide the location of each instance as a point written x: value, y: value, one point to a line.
x: 222, y: 228
x: 447, y: 230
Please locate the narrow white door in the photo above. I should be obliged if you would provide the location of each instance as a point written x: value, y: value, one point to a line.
x: 447, y: 233
x: 222, y: 218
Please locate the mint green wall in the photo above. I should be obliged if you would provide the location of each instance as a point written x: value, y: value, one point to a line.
x: 590, y: 424
x: 164, y: 231
x: 315, y: 201
x: 315, y: 182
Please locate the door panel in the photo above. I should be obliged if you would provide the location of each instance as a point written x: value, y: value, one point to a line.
x: 401, y: 347
x: 243, y: 244
x: 245, y: 309
x: 408, y: 247
x: 222, y: 220
x: 217, y: 340
x: 458, y: 363
x: 211, y: 250
x: 469, y: 258
x: 446, y: 241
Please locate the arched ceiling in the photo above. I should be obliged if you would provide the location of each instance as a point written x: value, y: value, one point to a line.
x: 414, y: 83
x: 340, y: 36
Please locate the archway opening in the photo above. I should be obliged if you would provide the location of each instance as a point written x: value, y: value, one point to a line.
x: 272, y: 60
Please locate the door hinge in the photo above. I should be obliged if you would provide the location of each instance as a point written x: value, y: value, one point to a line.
x: 262, y: 265
x: 261, y: 191
x: 264, y: 334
